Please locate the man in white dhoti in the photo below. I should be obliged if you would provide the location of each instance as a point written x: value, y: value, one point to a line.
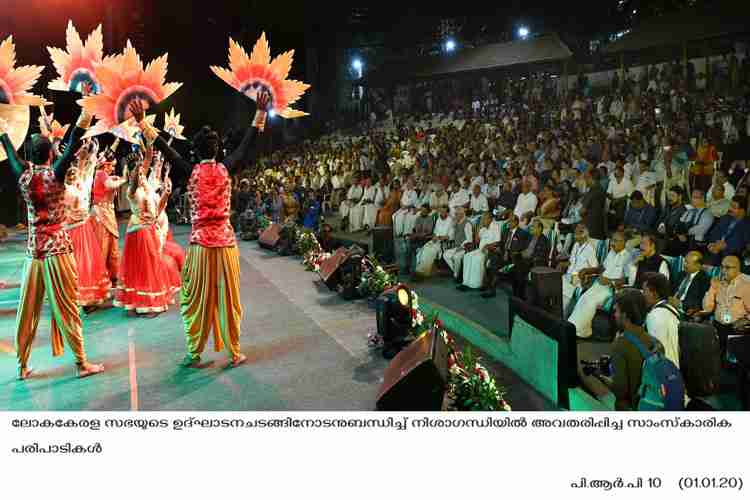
x: 582, y: 258
x: 614, y: 274
x: 475, y: 261
x: 433, y: 249
x: 353, y: 196
x: 463, y: 237
x: 364, y: 212
x: 406, y: 216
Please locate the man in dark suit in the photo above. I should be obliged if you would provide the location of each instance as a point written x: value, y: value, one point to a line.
x: 521, y: 249
x: 593, y: 207
x: 691, y: 285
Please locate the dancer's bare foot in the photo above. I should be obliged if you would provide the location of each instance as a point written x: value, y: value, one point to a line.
x: 238, y: 360
x: 87, y: 369
x: 24, y: 373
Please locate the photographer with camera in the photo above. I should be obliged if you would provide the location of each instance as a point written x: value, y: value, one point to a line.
x: 627, y: 361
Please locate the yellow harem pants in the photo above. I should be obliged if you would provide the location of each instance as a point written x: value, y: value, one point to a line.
x: 210, y: 299
x: 55, y: 277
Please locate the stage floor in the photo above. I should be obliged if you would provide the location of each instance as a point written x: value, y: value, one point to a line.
x: 307, y: 350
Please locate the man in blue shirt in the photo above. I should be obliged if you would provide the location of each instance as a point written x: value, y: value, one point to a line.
x: 640, y: 217
x: 731, y: 235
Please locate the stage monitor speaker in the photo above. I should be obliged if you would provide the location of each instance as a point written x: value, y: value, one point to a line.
x: 382, y: 243
x: 545, y: 291
x: 415, y: 379
x: 329, y: 268
x: 269, y: 238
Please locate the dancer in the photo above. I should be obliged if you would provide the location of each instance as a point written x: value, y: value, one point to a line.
x: 105, y: 188
x: 143, y: 285
x: 172, y: 255
x: 50, y: 267
x: 93, y: 282
x: 210, y: 298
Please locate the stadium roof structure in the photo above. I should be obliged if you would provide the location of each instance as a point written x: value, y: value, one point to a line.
x: 693, y: 25
x: 541, y: 49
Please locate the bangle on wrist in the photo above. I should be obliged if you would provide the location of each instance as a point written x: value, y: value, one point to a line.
x: 260, y: 120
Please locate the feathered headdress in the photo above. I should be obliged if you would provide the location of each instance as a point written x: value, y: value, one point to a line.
x: 14, y: 82
x: 172, y: 125
x: 123, y: 79
x: 251, y: 74
x: 14, y: 96
x: 76, y: 66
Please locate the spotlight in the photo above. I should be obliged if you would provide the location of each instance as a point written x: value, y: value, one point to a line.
x: 523, y: 31
x: 450, y: 45
x: 357, y: 64
x: 394, y: 319
x: 272, y: 113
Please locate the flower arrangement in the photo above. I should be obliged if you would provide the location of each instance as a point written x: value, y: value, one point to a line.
x: 306, y: 242
x: 470, y: 385
x: 375, y: 281
x: 313, y: 259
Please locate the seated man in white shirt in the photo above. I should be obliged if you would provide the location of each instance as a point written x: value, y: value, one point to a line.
x: 526, y: 202
x: 459, y: 198
x: 720, y: 180
x: 433, y: 249
x: 364, y: 212
x: 718, y: 203
x: 475, y: 262
x: 463, y: 238
x: 438, y: 198
x: 406, y: 216
x: 582, y: 259
x: 478, y: 204
x: 614, y: 274
x: 663, y: 320
x: 491, y: 190
x: 353, y: 196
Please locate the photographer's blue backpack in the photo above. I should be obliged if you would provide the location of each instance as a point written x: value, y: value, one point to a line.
x: 662, y: 387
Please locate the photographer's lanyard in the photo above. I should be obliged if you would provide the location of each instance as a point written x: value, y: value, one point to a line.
x: 726, y: 304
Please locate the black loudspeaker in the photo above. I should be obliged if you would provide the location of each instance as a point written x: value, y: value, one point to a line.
x: 269, y: 238
x: 416, y: 378
x: 382, y: 243
x: 545, y: 290
x: 351, y: 276
x: 329, y: 269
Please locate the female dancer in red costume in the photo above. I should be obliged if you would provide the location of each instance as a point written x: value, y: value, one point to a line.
x: 143, y: 285
x: 93, y: 281
x: 172, y: 254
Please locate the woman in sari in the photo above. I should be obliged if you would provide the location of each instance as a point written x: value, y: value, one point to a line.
x: 392, y: 204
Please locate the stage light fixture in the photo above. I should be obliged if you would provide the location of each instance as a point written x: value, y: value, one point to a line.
x: 450, y: 45
x: 394, y: 319
x: 523, y: 31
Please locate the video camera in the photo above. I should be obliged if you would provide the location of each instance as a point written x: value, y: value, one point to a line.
x: 598, y: 368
